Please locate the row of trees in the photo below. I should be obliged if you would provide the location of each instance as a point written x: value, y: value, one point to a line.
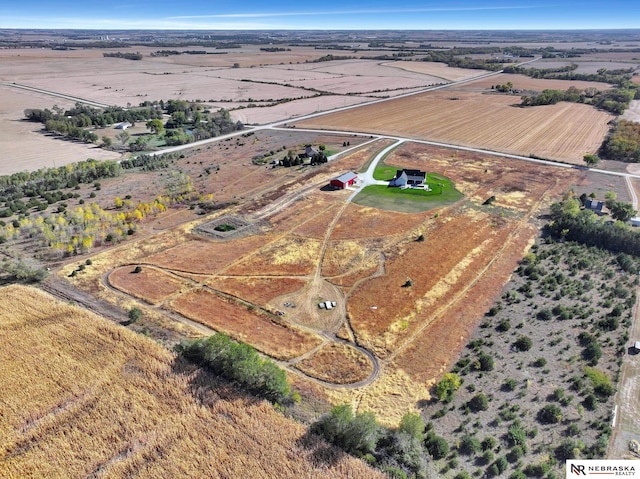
x: 454, y: 58
x: 240, y: 363
x: 619, y: 77
x: 125, y: 55
x: 39, y: 182
x: 85, y: 116
x: 614, y: 101
x: 403, y: 452
x: 584, y: 226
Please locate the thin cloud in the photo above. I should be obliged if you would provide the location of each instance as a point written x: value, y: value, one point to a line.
x: 358, y: 12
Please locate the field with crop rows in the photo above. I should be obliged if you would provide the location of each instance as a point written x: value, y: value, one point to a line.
x: 83, y: 397
x: 565, y: 131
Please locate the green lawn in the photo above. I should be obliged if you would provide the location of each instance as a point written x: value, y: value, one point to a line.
x: 385, y: 172
x: 443, y: 193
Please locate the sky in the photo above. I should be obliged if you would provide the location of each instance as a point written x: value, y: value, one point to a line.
x: 321, y: 14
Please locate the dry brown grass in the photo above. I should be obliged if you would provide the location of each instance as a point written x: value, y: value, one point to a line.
x: 289, y: 255
x: 150, y: 284
x: 204, y: 256
x: 565, y: 131
x: 85, y: 398
x: 337, y: 363
x: 258, y: 291
x: 365, y: 222
x: 249, y: 326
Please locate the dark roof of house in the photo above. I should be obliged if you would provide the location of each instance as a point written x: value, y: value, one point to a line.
x: 422, y: 174
x: 310, y: 151
x: 596, y: 205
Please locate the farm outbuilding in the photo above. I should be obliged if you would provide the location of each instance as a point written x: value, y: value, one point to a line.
x: 344, y: 180
x: 123, y: 126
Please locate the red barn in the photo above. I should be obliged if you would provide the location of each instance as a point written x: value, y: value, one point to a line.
x: 344, y: 180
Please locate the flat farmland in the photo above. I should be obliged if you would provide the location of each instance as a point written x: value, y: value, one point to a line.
x: 268, y: 86
x: 23, y: 145
x: 111, y: 403
x: 307, y: 247
x: 257, y: 290
x: 436, y: 69
x: 522, y: 82
x: 565, y: 131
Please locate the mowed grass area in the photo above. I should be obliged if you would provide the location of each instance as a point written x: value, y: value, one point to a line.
x: 83, y: 397
x: 443, y: 192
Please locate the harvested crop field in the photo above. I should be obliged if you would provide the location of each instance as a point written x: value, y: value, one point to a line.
x: 23, y: 144
x: 244, y: 324
x: 522, y: 82
x: 436, y: 69
x: 108, y: 402
x: 565, y: 131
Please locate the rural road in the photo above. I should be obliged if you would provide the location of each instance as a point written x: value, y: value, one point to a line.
x: 55, y: 94
x: 625, y: 421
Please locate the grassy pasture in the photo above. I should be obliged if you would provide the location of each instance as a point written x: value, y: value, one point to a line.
x: 82, y: 397
x: 409, y: 200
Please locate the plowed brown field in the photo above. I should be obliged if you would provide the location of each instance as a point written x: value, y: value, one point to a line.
x: 565, y: 131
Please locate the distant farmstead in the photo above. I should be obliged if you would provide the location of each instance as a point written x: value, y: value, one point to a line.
x: 409, y: 178
x: 345, y: 180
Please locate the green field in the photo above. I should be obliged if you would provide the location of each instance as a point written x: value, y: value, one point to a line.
x: 443, y: 193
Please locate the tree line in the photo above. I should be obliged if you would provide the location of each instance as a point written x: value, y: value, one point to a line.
x: 239, y: 363
x: 619, y: 77
x: 623, y: 142
x: 125, y: 55
x: 570, y: 222
x: 39, y: 182
x: 614, y: 101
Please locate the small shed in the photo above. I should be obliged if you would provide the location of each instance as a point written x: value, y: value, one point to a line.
x: 635, y: 221
x: 123, y: 126
x: 636, y: 346
x: 344, y: 180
